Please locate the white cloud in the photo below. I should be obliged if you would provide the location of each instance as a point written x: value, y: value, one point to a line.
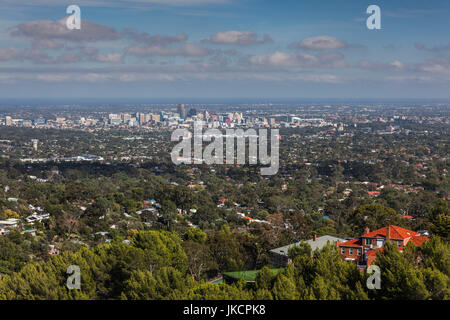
x: 280, y: 59
x: 409, y: 78
x: 57, y: 30
x: 395, y: 65
x: 109, y: 57
x: 242, y: 38
x: 69, y: 57
x: 9, y: 53
x: 156, y: 39
x: 187, y: 49
x: 436, y: 66
x: 320, y: 43
x: 90, y: 77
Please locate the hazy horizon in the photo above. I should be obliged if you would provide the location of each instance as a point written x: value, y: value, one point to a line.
x: 259, y: 50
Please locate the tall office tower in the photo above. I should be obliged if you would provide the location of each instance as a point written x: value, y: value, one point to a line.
x: 206, y: 115
x: 141, y: 117
x: 181, y: 111
x: 156, y: 117
x: 35, y: 144
x: 8, y: 121
x: 126, y: 117
x: 192, y: 112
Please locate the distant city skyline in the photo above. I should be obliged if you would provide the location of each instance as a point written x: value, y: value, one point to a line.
x: 203, y: 50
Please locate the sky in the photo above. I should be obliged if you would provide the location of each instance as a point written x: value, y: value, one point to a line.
x: 225, y: 49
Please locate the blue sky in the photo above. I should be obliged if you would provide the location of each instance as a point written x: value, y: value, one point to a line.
x: 225, y: 49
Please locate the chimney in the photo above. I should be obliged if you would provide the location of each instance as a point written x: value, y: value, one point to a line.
x: 367, y: 230
x: 315, y: 237
x: 388, y: 236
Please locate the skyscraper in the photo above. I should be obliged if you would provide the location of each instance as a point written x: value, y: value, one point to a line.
x: 126, y: 117
x: 192, y: 112
x: 156, y: 117
x: 143, y: 118
x: 181, y: 111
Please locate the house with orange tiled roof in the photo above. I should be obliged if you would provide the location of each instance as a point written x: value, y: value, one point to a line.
x: 363, y: 250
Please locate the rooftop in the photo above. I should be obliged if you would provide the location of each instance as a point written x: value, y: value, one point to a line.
x: 319, y: 243
x: 394, y: 233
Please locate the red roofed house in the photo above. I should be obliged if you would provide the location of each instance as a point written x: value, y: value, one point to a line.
x: 363, y: 250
